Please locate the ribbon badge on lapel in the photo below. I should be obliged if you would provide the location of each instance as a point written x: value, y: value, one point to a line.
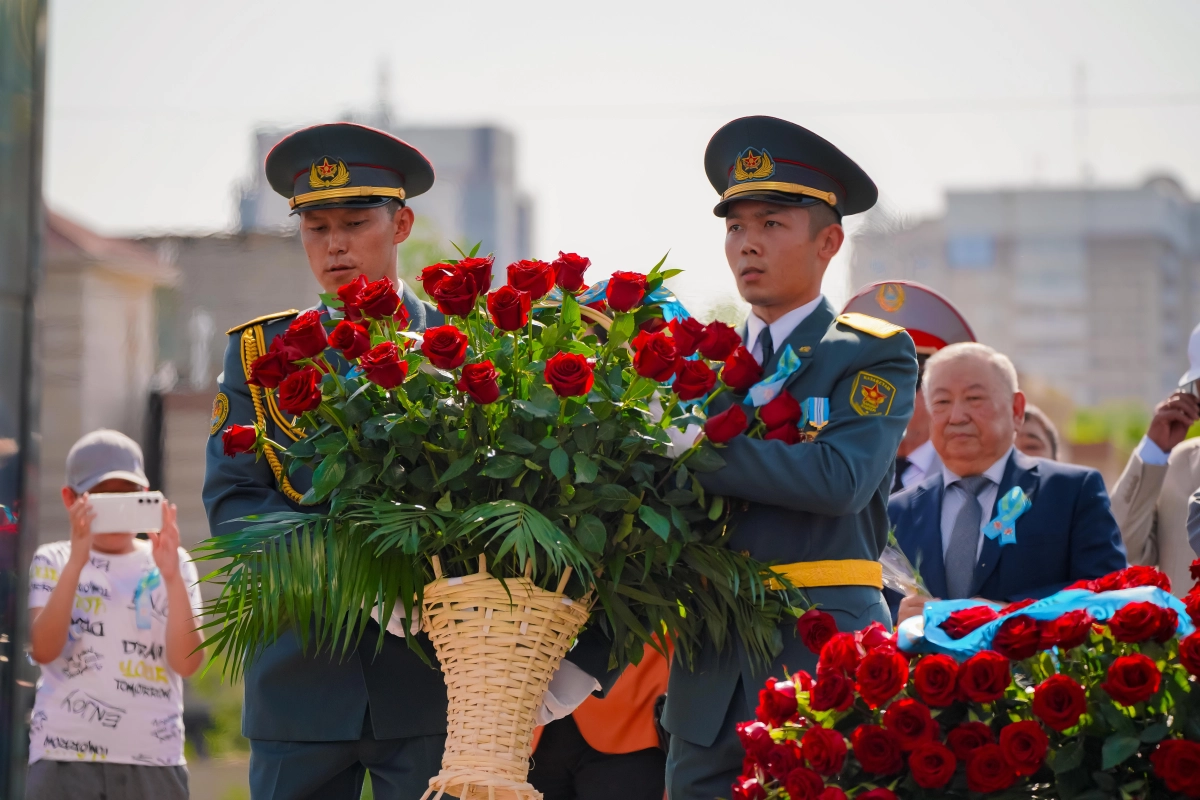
x: 815, y: 411
x: 1010, y: 507
x: 141, y: 597
x: 769, y: 388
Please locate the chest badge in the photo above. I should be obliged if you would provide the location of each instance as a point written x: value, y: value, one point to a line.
x: 871, y: 396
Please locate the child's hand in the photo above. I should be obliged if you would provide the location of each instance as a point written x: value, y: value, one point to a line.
x: 81, y: 515
x: 166, y: 544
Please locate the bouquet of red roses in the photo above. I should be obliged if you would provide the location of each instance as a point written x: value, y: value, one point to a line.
x: 1069, y: 706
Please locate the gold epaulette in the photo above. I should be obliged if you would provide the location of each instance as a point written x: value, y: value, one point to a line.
x: 879, y: 328
x: 291, y: 312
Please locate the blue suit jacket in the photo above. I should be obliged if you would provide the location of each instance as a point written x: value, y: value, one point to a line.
x: 1067, y: 534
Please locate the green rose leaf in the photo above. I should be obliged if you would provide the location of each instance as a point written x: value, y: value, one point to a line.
x: 333, y: 443
x: 585, y: 468
x: 502, y: 466
x: 591, y: 533
x: 531, y: 411
x: 458, y: 467
x: 1117, y: 748
x: 516, y: 443
x: 1154, y: 733
x: 612, y: 497
x: 706, y: 459
x: 559, y: 464
x: 656, y: 521
x: 1068, y: 758
x: 328, y: 475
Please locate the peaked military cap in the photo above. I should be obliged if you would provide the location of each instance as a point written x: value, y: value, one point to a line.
x: 931, y: 320
x: 344, y: 165
x: 764, y: 158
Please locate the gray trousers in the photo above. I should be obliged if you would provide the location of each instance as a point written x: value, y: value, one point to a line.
x: 702, y: 773
x: 96, y: 780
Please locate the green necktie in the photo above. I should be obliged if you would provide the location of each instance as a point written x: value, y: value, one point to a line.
x: 768, y: 347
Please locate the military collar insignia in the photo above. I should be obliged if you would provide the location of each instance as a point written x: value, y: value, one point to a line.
x: 753, y: 165
x: 890, y: 297
x: 328, y: 174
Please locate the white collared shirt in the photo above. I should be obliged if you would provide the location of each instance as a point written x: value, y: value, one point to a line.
x: 920, y: 463
x: 780, y: 328
x: 953, y: 498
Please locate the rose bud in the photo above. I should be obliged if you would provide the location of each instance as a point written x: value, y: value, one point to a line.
x: 379, y: 299
x: 238, y: 439
x: 693, y: 379
x: 535, y: 277
x: 654, y: 356
x: 383, y: 365
x: 434, y: 274
x: 688, y: 333
x: 731, y: 422
x: 625, y: 290
x: 349, y: 294
x: 300, y: 391
x: 456, y: 294
x: 480, y: 270
x: 719, y: 342
x: 445, y: 346
x: 479, y: 381
x: 568, y: 271
x: 351, y: 338
x: 509, y: 308
x: 305, y: 337
x: 569, y: 374
x: 269, y: 369
x: 741, y: 371
x: 816, y: 627
x: 784, y: 410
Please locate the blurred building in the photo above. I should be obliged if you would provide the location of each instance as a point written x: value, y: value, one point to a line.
x: 1091, y: 290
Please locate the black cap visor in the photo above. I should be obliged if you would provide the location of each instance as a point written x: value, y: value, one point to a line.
x: 721, y: 209
x: 350, y: 202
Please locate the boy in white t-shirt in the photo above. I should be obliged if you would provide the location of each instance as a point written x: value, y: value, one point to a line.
x: 114, y: 628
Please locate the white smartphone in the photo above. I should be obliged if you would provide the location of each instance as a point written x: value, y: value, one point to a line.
x: 127, y: 512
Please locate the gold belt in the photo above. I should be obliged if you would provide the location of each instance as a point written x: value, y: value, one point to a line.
x: 814, y: 574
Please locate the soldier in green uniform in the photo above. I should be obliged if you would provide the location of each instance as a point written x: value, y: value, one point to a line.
x: 816, y: 508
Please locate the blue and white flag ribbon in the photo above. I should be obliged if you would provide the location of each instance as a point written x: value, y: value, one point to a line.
x: 1010, y: 507
x: 815, y: 412
x: 769, y: 388
x: 141, y: 597
x: 663, y: 297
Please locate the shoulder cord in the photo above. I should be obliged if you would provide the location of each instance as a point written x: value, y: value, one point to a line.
x: 251, y: 347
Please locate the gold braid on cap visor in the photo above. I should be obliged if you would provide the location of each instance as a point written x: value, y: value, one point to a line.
x: 321, y: 195
x: 780, y: 186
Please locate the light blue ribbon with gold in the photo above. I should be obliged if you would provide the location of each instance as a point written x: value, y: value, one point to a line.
x: 663, y: 297
x: 141, y: 597
x: 769, y: 388
x: 815, y: 412
x: 1010, y: 507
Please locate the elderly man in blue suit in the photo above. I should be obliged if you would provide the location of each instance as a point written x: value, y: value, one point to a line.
x: 1066, y: 534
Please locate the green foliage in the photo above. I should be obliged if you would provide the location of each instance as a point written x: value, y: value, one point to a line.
x: 1122, y: 424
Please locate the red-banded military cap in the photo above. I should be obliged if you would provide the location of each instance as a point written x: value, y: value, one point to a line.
x: 931, y: 320
x: 345, y: 165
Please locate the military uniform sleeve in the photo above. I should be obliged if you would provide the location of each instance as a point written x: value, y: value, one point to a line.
x: 239, y: 486
x: 839, y: 471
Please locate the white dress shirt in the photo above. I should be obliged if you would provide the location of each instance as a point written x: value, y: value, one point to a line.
x: 1150, y: 453
x: 954, y: 497
x: 921, y: 462
x: 780, y: 328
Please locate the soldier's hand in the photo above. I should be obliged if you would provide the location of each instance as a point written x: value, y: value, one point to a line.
x: 913, y: 606
x: 1172, y: 418
x: 81, y: 516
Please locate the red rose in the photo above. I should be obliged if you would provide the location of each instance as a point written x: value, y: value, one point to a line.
x: 1109, y: 583
x: 1177, y: 762
x: 777, y: 703
x: 1013, y: 608
x: 349, y: 293
x: 445, y: 346
x: 378, y: 299
x: 824, y: 749
x: 1194, y: 570
x: 966, y: 620
x: 719, y: 342
x: 932, y: 765
x: 238, y: 439
x: 875, y: 636
x: 625, y: 290
x: 967, y: 738
x: 1189, y: 653
x: 878, y: 794
x: 456, y: 294
x: 881, y: 675
x: 782, y: 759
x: 983, y: 677
x: 653, y: 325
x: 842, y: 653
x: 480, y: 270
x: 910, y: 720
x: 351, y: 338
x: 804, y: 784
x: 755, y: 738
x: 533, y: 276
x: 1059, y: 702
x: 833, y: 793
x: 1132, y: 577
x: 269, y: 369
x: 1082, y: 583
x: 654, y: 356
x: 748, y: 789
x: 569, y: 374
x: 693, y: 379
x: 935, y: 678
x: 1132, y: 679
x: 988, y: 771
x: 833, y: 690
x: 687, y: 333
x: 877, y: 750
x: 789, y: 435
x: 300, y: 391
x: 731, y: 422
x: 383, y: 365
x: 1018, y: 637
x: 802, y: 681
x: 1135, y: 622
x: 1192, y: 602
x: 815, y: 628
x: 305, y: 337
x: 1068, y: 630
x: 479, y: 381
x: 569, y: 269
x: 1024, y: 744
x: 1168, y: 625
x: 509, y: 308
x: 434, y: 274
x: 783, y: 411
x: 741, y: 371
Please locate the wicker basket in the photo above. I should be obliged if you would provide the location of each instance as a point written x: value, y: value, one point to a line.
x: 498, y: 644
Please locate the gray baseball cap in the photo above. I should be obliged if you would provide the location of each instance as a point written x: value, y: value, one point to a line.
x: 101, y: 455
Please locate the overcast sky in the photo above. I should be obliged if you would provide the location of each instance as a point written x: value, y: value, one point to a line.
x: 151, y: 105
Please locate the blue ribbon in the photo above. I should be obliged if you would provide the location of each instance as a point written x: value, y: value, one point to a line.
x: 1011, y: 506
x: 769, y: 388
x: 815, y: 411
x: 663, y: 297
x: 141, y: 597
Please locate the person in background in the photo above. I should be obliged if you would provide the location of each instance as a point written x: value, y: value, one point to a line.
x: 933, y: 322
x: 1037, y: 437
x: 1067, y: 533
x: 114, y: 627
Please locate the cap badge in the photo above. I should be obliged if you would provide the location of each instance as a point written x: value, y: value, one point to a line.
x: 328, y: 174
x: 890, y: 297
x: 753, y: 166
